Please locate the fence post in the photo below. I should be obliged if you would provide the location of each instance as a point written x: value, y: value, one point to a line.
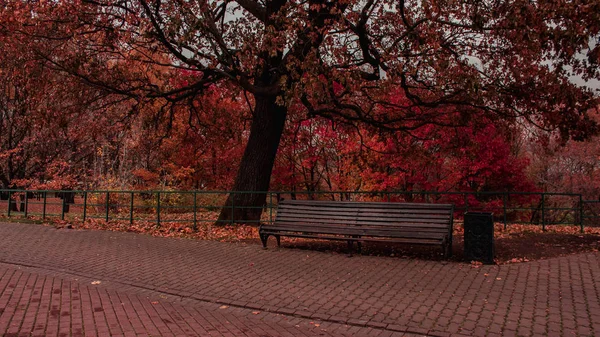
x: 543, y: 213
x: 107, y: 204
x: 9, y: 203
x: 271, y: 207
x: 232, y: 207
x: 195, y: 227
x: 158, y: 209
x: 62, y: 207
x: 504, y: 197
x: 84, y: 205
x: 26, y: 205
x: 581, y: 213
x: 131, y: 209
x: 44, y: 205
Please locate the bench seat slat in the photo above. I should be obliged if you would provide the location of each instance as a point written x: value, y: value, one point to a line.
x: 414, y: 223
x: 351, y: 233
x: 359, y: 214
x: 360, y: 217
x: 307, y: 227
x: 302, y: 226
x: 375, y: 239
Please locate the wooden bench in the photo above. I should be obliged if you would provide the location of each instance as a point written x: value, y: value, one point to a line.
x: 411, y: 223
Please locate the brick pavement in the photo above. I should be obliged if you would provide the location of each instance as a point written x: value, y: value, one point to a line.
x: 37, y: 302
x: 554, y: 297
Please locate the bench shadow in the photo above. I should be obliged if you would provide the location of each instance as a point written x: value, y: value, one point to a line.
x: 382, y: 249
x: 521, y: 247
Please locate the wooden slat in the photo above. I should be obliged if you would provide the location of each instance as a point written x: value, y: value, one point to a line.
x: 366, y: 203
x: 391, y: 240
x: 366, y: 224
x: 400, y: 212
x: 311, y: 210
x: 355, y: 204
x: 415, y: 223
x: 442, y: 214
x: 307, y: 226
x: 417, y: 235
x: 397, y: 209
x: 348, y: 232
x: 361, y: 209
x: 365, y: 217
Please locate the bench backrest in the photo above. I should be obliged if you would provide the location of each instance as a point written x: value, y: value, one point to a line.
x: 403, y: 216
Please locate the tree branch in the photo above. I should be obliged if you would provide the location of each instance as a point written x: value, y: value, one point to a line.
x: 254, y: 8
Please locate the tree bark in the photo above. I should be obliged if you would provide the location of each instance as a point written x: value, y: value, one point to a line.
x: 254, y: 173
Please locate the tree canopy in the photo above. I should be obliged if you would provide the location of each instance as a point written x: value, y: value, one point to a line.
x: 393, y: 66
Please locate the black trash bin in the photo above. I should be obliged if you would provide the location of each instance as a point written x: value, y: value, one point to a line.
x: 479, y: 237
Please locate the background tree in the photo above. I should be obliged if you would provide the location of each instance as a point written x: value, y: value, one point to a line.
x: 572, y: 167
x: 49, y: 123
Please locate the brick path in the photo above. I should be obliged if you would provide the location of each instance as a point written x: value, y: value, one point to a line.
x: 35, y: 302
x: 354, y: 296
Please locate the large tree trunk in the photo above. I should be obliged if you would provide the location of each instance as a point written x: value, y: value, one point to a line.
x: 254, y: 173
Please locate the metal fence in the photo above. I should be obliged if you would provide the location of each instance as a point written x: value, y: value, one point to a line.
x: 194, y: 208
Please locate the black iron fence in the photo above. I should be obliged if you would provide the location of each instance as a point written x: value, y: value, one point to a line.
x: 197, y: 207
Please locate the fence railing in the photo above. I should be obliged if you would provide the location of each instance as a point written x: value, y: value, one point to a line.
x: 200, y: 207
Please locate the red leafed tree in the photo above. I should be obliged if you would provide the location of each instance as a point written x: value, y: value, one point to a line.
x: 477, y: 157
x: 199, y: 153
x: 49, y: 122
x: 572, y: 167
x: 508, y: 60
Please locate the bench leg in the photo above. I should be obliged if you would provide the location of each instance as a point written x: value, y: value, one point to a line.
x: 263, y: 239
x: 447, y: 250
x: 278, y: 240
x: 350, y: 246
x: 359, y: 245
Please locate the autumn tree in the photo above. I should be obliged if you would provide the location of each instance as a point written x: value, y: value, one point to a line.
x: 507, y: 60
x: 571, y: 167
x: 198, y: 153
x: 480, y: 156
x: 49, y: 122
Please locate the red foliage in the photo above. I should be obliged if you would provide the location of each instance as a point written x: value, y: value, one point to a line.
x: 101, y: 96
x: 570, y: 166
x: 321, y: 155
